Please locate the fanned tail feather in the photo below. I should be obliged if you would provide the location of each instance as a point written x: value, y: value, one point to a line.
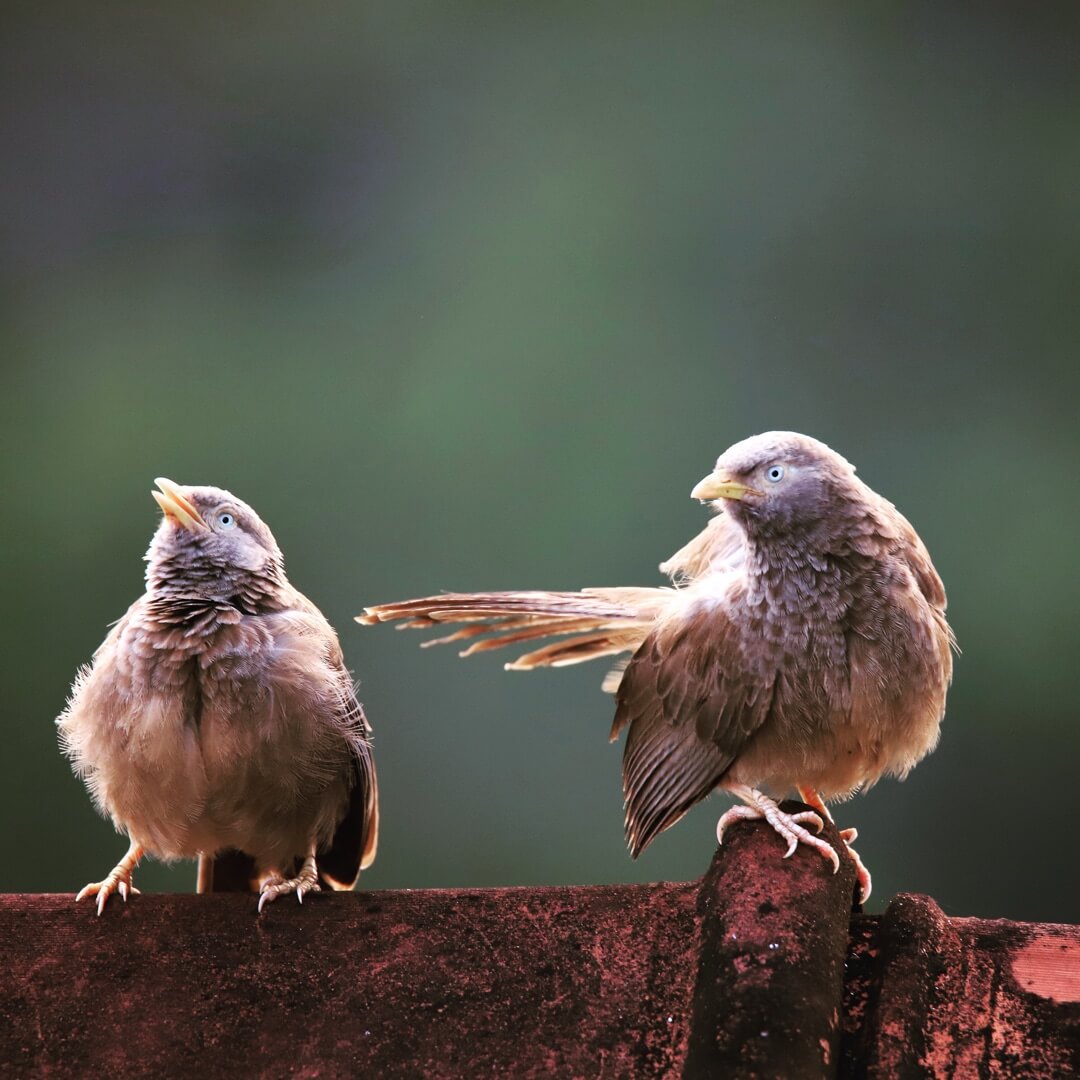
x: 589, y: 624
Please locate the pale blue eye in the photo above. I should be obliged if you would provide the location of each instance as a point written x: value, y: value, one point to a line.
x: 775, y: 474
x: 226, y: 521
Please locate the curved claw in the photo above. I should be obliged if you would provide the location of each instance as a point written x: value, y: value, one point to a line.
x: 791, y: 827
x: 102, y: 890
x: 862, y: 875
x: 828, y: 852
x: 121, y: 886
x: 798, y: 835
x: 809, y: 817
x: 307, y: 881
x: 736, y: 813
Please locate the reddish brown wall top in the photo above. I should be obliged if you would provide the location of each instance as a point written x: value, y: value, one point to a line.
x: 970, y: 997
x: 749, y: 972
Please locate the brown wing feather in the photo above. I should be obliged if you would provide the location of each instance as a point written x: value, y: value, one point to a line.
x: 691, y: 706
x: 356, y: 837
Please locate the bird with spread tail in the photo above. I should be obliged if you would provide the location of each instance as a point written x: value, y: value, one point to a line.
x: 803, y: 646
x: 217, y: 720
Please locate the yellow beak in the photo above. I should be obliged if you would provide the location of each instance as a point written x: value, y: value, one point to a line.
x: 715, y: 486
x: 176, y: 505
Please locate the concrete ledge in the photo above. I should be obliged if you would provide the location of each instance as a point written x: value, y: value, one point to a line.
x: 972, y: 997
x: 739, y: 974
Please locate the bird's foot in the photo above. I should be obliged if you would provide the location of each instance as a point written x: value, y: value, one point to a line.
x: 118, y: 881
x: 789, y: 826
x: 274, y: 885
x: 862, y: 875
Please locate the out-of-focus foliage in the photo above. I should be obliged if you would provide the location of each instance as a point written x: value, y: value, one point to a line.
x: 469, y: 296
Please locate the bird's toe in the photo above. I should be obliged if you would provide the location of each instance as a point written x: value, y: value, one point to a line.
x: 305, y: 882
x: 104, y: 889
x: 736, y: 813
x: 791, y: 827
x: 809, y: 817
x: 862, y: 875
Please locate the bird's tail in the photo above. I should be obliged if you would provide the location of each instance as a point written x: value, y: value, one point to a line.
x: 587, y: 625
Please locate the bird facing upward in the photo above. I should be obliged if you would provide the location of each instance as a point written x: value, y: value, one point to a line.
x: 804, y: 646
x: 218, y: 719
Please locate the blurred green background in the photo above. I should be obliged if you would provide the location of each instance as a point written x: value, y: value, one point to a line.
x: 469, y: 296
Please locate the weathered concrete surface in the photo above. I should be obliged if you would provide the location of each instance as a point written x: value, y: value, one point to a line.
x: 591, y: 981
x: 588, y: 981
x: 619, y: 981
x: 962, y: 997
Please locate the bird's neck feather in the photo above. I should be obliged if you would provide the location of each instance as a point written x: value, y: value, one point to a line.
x: 788, y: 574
x: 174, y: 578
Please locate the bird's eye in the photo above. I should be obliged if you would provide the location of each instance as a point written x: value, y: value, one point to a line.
x: 227, y: 520
x: 774, y: 474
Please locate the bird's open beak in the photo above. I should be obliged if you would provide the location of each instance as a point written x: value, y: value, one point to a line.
x: 176, y: 505
x: 717, y: 486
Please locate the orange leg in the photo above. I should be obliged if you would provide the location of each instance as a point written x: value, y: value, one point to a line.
x: 849, y: 836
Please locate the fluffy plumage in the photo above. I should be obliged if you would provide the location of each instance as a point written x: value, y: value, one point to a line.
x: 803, y: 646
x: 218, y: 719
